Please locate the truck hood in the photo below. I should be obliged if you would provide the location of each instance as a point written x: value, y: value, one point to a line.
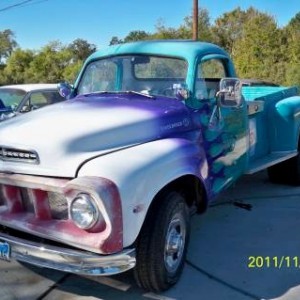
x: 56, y: 140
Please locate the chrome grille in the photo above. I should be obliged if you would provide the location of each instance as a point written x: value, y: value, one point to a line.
x: 26, y: 200
x: 58, y: 205
x: 12, y: 154
x: 2, y: 200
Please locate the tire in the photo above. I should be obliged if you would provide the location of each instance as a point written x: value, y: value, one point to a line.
x: 286, y: 172
x: 159, y: 265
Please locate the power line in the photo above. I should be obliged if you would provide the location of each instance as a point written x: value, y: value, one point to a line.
x: 22, y: 3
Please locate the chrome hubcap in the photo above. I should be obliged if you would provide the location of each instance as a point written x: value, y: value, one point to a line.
x: 175, y: 243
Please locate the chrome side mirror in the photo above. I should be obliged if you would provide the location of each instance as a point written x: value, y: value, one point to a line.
x: 230, y: 92
x: 65, y: 89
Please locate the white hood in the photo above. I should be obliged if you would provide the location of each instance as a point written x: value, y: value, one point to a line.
x: 67, y: 134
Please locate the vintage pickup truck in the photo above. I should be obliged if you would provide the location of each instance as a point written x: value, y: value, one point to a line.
x: 107, y: 180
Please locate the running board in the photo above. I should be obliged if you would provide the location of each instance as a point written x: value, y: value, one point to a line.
x: 269, y: 160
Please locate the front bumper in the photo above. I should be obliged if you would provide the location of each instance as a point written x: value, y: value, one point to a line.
x: 69, y: 260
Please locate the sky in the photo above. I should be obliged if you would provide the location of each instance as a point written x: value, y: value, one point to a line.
x: 37, y: 22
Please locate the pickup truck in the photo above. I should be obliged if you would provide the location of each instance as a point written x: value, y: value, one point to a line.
x: 151, y: 131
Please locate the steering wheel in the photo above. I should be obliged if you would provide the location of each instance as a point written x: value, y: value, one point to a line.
x: 168, y: 92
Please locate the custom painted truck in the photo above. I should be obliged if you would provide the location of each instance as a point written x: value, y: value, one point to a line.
x: 105, y: 181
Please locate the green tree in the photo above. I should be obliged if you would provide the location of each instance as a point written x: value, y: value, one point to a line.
x: 7, y: 44
x: 229, y: 28
x: 292, y: 50
x: 115, y: 41
x: 81, y: 49
x: 204, y: 26
x: 258, y: 52
x: 137, y: 35
x: 185, y: 30
x: 17, y: 66
x: 49, y: 64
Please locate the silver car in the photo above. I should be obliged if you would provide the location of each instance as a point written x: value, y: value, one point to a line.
x: 22, y: 98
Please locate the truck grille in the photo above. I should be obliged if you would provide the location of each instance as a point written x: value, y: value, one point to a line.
x: 58, y: 205
x: 33, y: 201
x: 11, y: 154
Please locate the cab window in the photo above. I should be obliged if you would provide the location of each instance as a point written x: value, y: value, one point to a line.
x: 209, y: 74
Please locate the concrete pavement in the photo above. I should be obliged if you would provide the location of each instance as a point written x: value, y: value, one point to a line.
x: 245, y: 247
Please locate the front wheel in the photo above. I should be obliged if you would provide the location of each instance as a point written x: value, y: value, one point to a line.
x: 162, y: 244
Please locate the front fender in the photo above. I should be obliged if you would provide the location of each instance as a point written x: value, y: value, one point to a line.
x: 140, y: 172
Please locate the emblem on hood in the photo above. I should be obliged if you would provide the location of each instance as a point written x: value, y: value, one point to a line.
x: 18, y: 155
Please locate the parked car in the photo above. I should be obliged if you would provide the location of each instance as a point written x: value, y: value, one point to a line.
x: 22, y: 98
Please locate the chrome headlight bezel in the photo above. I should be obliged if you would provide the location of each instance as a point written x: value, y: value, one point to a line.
x: 89, y: 214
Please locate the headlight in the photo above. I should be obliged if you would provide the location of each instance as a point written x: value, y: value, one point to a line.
x: 83, y: 211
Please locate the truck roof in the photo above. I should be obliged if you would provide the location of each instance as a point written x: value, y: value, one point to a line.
x: 178, y: 48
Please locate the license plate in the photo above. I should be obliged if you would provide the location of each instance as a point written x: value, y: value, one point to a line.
x: 4, y: 251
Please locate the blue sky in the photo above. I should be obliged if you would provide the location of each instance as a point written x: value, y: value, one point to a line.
x: 37, y: 22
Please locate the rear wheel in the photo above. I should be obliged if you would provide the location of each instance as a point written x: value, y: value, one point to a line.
x: 286, y: 172
x: 162, y: 244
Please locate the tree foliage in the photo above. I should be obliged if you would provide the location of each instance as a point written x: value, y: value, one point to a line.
x: 7, y: 44
x: 258, y: 46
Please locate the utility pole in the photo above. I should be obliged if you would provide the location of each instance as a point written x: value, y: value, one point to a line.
x: 195, y: 20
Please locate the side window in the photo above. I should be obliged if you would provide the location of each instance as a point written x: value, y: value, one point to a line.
x: 209, y: 74
x: 41, y: 98
x: 38, y: 99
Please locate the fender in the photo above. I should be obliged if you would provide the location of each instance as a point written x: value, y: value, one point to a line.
x: 286, y: 115
x: 137, y: 172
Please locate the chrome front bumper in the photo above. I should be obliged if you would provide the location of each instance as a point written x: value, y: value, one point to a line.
x: 68, y: 260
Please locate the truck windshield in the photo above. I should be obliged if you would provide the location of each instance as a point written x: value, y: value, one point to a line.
x: 151, y: 75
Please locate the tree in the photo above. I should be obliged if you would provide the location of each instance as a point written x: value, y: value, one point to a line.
x: 81, y: 49
x: 258, y: 53
x: 7, y: 44
x: 292, y: 50
x: 49, y: 64
x: 204, y: 26
x: 137, y: 35
x: 229, y: 28
x: 17, y: 66
x: 115, y: 41
x: 184, y: 31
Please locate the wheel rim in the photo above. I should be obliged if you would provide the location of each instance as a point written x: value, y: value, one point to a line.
x: 175, y: 243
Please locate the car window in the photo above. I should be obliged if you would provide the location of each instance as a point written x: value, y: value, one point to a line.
x: 42, y: 98
x: 10, y: 97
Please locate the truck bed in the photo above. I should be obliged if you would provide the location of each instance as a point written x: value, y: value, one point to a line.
x: 262, y: 106
x: 268, y: 93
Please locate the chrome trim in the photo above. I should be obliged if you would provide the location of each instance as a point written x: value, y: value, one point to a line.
x: 19, y: 155
x: 68, y: 260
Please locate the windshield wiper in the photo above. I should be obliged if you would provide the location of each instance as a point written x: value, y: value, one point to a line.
x: 97, y: 92
x: 140, y: 94
x: 119, y: 92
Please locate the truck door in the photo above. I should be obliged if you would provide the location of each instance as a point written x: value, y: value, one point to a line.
x: 224, y: 126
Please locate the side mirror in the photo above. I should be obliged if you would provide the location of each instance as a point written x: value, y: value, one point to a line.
x: 65, y: 89
x: 230, y: 92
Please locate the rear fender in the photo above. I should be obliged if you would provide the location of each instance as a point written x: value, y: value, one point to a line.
x: 285, y: 124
